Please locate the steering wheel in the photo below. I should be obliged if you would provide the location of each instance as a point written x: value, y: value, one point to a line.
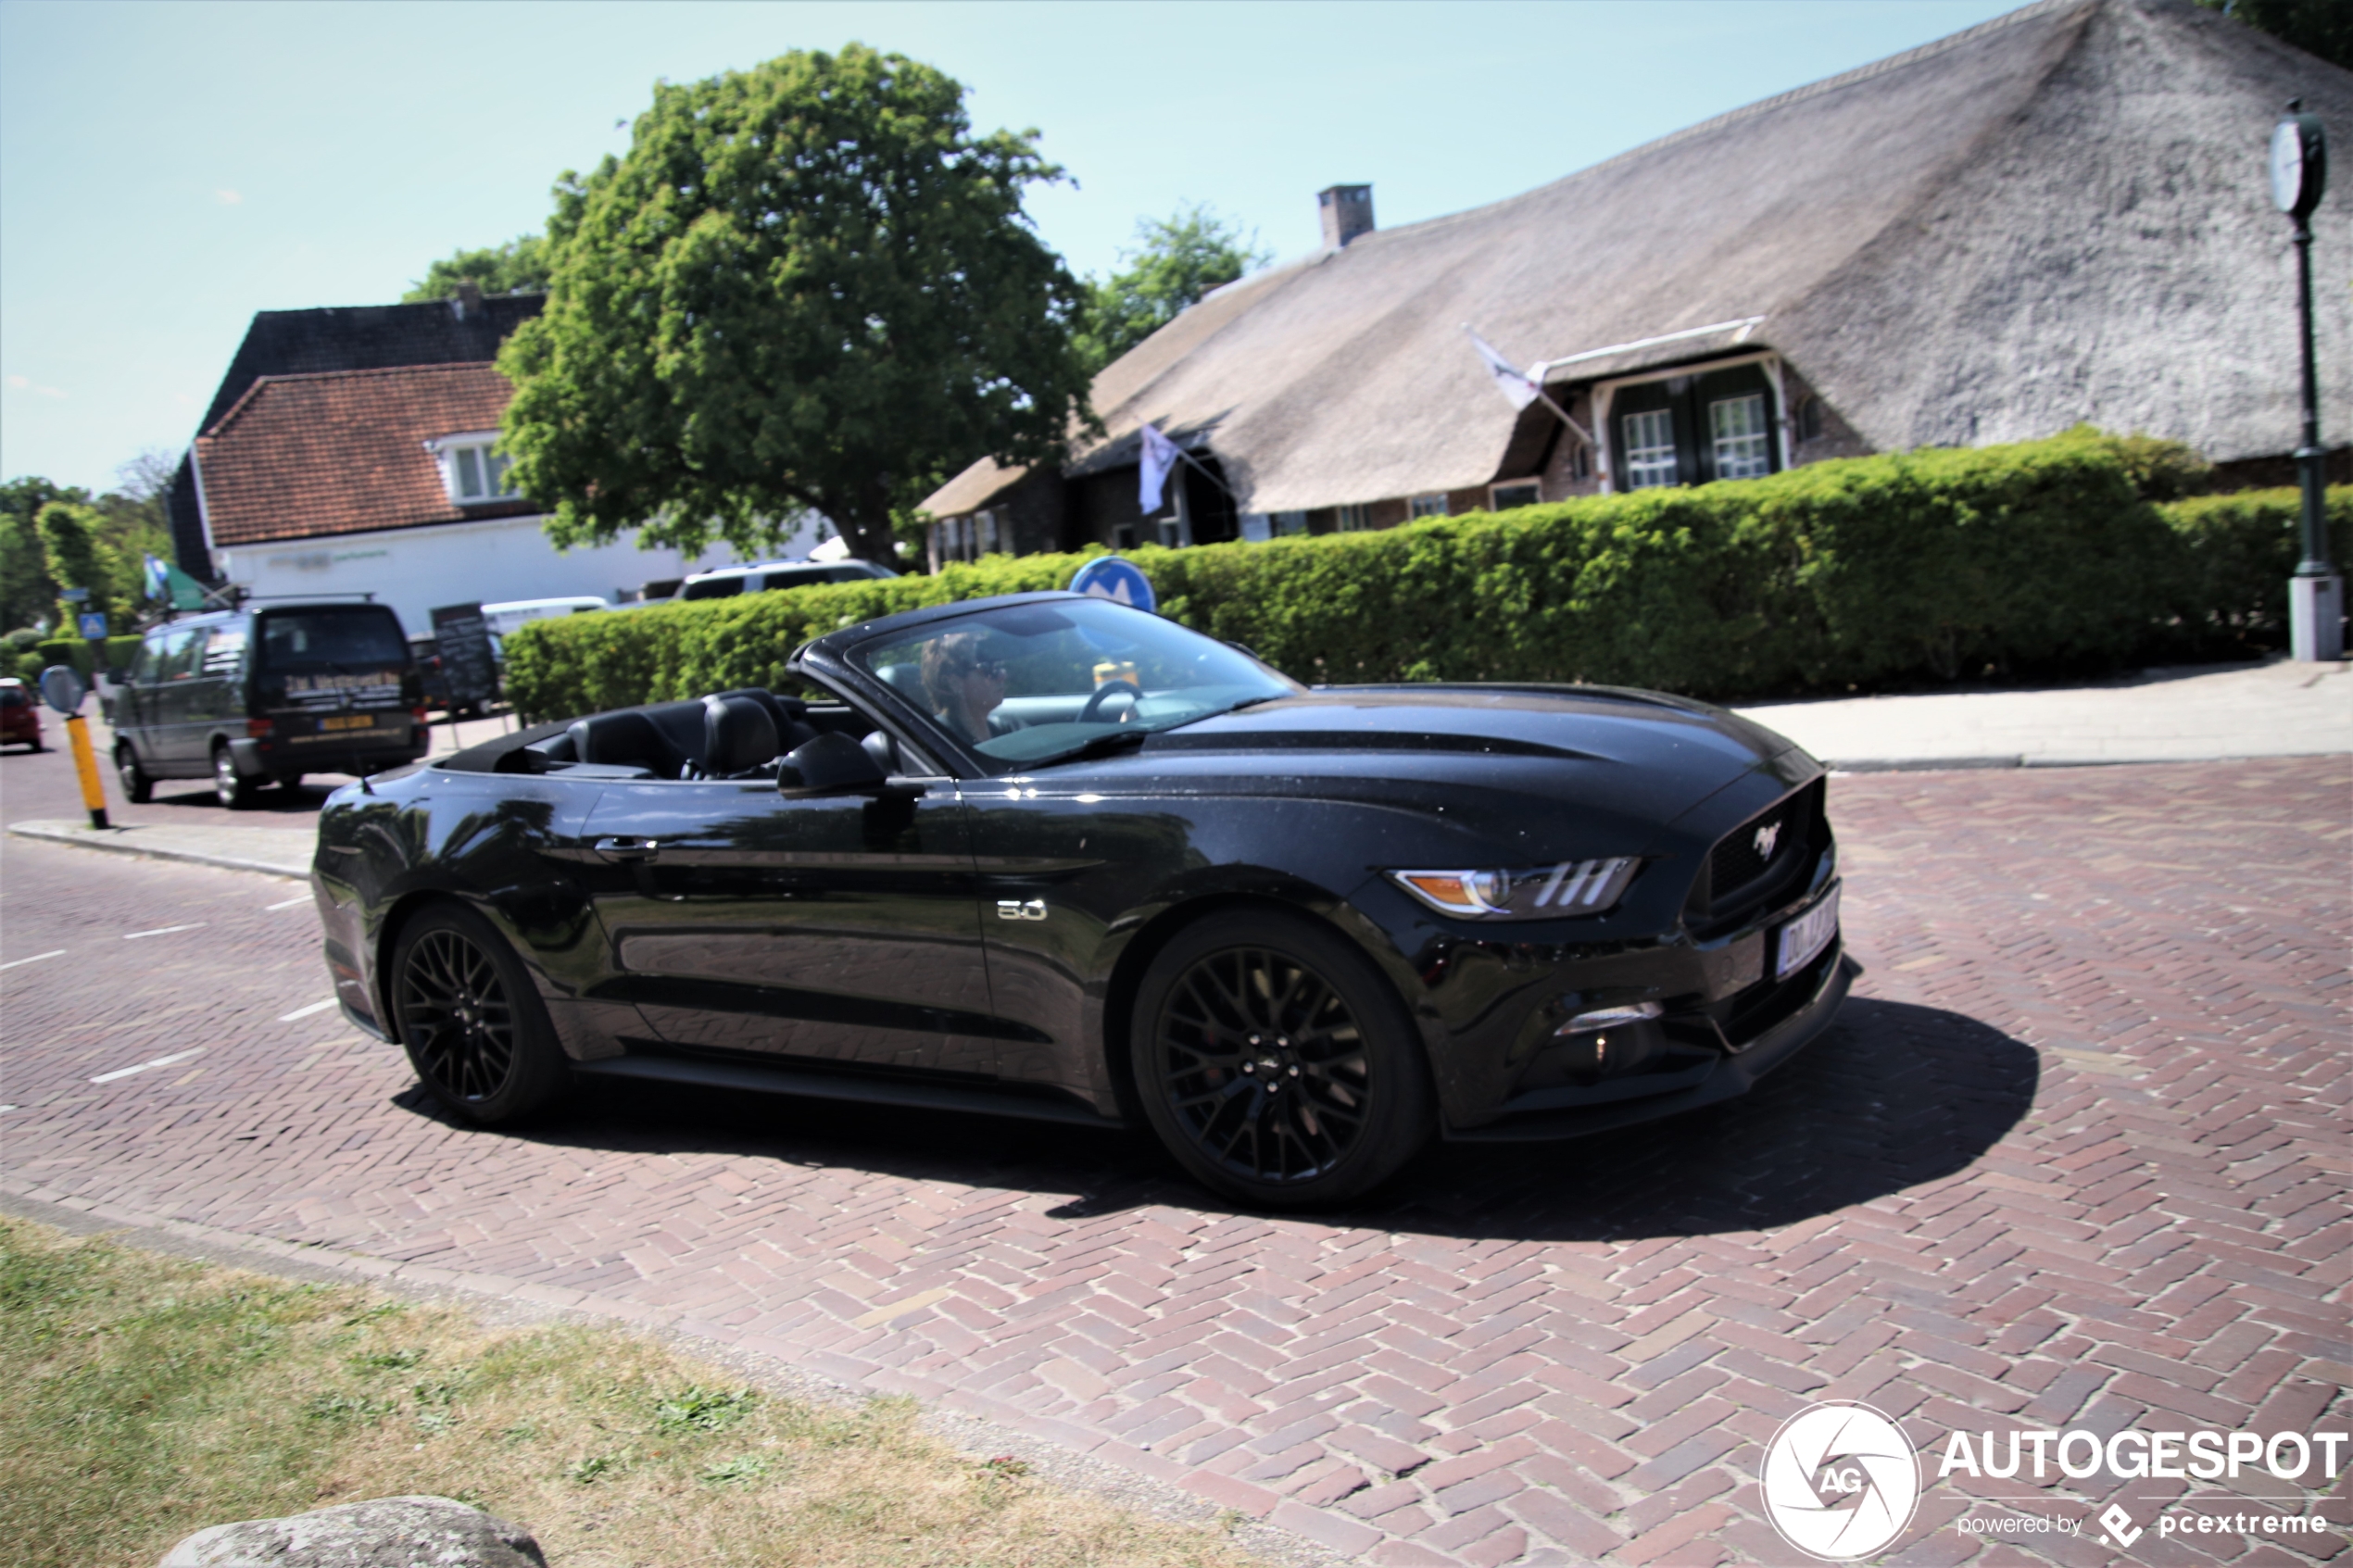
x: 1104, y: 692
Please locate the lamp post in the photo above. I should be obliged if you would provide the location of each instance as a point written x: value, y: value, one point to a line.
x: 2316, y: 594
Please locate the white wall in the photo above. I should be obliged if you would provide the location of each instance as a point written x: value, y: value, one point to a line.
x: 414, y: 570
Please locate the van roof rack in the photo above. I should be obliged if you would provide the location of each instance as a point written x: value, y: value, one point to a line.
x: 269, y: 599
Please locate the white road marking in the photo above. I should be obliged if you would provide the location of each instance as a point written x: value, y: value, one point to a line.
x: 306, y: 1012
x: 161, y: 930
x: 159, y: 1062
x: 53, y: 953
x: 6, y: 1108
x: 287, y: 905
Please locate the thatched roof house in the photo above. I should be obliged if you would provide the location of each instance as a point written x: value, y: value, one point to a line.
x: 2061, y: 215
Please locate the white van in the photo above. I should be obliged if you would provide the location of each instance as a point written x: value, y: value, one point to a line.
x: 502, y: 619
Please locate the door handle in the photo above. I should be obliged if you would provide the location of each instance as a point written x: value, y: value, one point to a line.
x: 626, y: 851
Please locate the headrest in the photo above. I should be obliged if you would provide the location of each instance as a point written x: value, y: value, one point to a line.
x: 627, y: 737
x: 738, y: 733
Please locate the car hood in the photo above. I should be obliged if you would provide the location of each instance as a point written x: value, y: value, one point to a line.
x: 1643, y: 753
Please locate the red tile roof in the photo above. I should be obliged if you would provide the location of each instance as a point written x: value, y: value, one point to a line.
x: 343, y: 452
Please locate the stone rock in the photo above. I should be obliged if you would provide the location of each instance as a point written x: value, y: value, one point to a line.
x: 417, y: 1532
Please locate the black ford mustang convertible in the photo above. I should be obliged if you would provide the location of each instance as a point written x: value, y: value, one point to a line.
x: 1052, y: 857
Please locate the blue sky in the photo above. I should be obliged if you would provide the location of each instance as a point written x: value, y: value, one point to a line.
x: 167, y: 169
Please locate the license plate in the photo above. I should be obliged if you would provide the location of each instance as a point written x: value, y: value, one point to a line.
x: 349, y: 722
x: 1803, y: 939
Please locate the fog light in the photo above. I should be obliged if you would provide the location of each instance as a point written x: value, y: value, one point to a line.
x: 1610, y: 1018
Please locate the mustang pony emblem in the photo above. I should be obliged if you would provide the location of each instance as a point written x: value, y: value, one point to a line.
x: 1766, y: 837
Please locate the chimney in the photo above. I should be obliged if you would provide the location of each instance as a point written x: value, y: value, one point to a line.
x: 1347, y: 211
x: 468, y: 304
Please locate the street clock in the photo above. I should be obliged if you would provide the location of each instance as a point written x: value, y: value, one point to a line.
x: 2299, y: 165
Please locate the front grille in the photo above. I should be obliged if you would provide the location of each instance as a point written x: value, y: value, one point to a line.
x: 1737, y: 862
x: 1740, y: 878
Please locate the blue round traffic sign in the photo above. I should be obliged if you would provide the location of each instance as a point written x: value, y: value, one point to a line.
x: 1115, y: 578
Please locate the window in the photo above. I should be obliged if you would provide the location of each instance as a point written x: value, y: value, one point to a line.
x: 1354, y: 520
x: 1426, y: 506
x: 471, y: 471
x: 1650, y: 449
x: 1503, y: 497
x: 224, y: 651
x: 1737, y: 425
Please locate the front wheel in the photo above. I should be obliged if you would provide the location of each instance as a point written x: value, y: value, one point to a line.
x: 470, y: 1020
x: 1275, y: 1063
x: 137, y: 788
x: 234, y: 790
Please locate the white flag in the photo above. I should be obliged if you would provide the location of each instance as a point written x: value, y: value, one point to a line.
x: 1512, y: 381
x: 1160, y: 456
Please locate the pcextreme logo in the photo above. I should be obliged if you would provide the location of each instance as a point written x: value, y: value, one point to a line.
x: 1841, y: 1480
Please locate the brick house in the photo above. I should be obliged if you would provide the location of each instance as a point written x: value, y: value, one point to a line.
x: 2059, y: 216
x: 350, y: 450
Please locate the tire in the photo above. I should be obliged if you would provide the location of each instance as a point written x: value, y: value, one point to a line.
x: 232, y: 789
x: 470, y: 1020
x: 137, y: 788
x: 1349, y: 1098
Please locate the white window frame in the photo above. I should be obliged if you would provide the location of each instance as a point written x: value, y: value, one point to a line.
x: 1432, y: 504
x: 1355, y: 517
x: 1762, y: 436
x: 1605, y: 392
x: 478, y: 443
x: 1495, y: 502
x: 1637, y: 465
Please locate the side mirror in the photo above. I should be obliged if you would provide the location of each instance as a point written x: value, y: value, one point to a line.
x: 832, y: 764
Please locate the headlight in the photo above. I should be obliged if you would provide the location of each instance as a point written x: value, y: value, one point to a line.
x: 1568, y: 888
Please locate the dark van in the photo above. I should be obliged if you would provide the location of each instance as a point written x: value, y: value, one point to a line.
x: 266, y: 692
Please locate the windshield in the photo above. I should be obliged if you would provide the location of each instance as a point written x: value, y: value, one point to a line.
x: 309, y: 639
x: 1038, y: 682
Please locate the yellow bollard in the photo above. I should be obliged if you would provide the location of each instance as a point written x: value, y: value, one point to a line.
x: 86, y: 765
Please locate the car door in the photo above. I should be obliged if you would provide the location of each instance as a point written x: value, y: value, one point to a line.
x: 136, y: 704
x: 214, y: 691
x: 841, y: 928
x: 170, y: 723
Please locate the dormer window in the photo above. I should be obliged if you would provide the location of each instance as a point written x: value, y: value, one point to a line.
x: 471, y: 471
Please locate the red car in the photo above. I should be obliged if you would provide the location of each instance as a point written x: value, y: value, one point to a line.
x: 20, y: 714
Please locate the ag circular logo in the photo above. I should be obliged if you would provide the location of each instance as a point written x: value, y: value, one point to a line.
x: 1841, y: 1480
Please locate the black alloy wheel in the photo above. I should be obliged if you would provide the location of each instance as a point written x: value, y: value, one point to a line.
x: 1276, y: 1062
x: 234, y: 790
x: 474, y: 1029
x: 137, y: 788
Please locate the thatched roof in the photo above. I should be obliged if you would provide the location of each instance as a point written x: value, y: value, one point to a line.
x: 2060, y: 215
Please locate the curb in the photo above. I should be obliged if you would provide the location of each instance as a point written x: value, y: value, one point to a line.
x: 1279, y: 1527
x: 120, y: 841
x: 1981, y: 764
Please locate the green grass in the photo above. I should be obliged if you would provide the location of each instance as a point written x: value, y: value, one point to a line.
x: 143, y: 1397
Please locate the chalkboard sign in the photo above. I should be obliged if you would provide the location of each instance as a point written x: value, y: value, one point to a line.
x: 467, y: 666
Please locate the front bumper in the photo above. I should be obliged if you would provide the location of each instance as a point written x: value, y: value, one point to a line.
x: 1730, y: 1074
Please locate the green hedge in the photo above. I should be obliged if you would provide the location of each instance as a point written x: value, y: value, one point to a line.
x: 1853, y: 575
x: 74, y: 651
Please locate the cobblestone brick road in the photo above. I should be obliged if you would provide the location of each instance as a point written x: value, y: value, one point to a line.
x: 2075, y: 1156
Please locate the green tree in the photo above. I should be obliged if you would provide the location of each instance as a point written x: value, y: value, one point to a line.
x: 2317, y: 27
x: 78, y: 557
x: 27, y: 592
x: 807, y: 287
x: 517, y: 267
x: 1181, y: 259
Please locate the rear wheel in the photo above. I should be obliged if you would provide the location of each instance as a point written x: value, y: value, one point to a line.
x: 1277, y: 1063
x: 235, y: 791
x: 137, y: 788
x: 472, y: 1022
